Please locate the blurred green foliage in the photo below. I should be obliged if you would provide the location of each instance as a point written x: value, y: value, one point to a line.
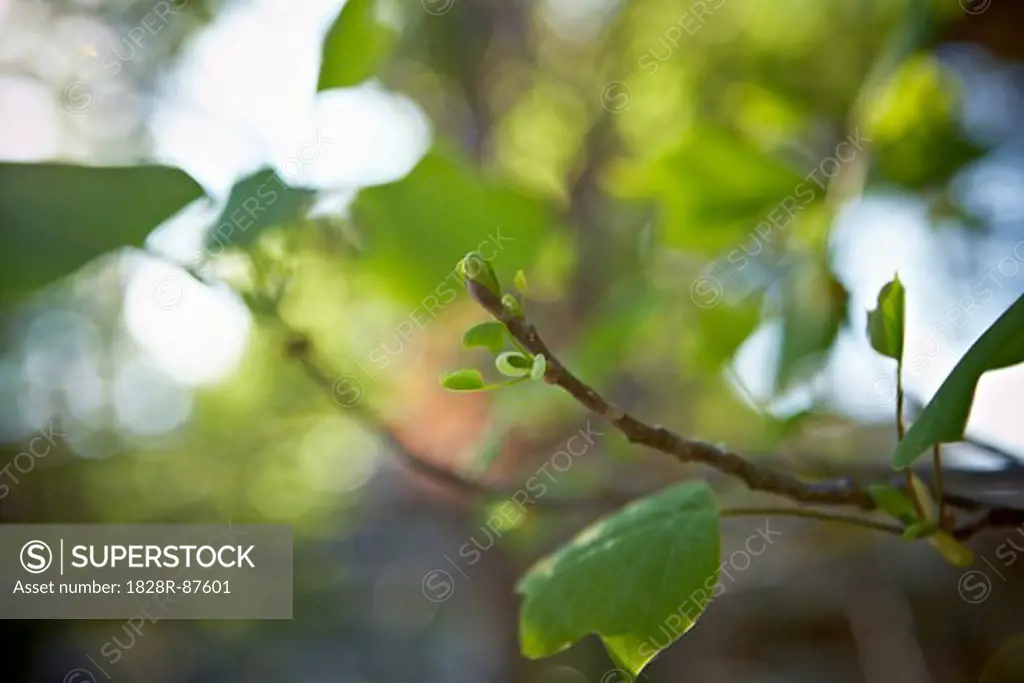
x: 354, y: 46
x: 667, y: 178
x: 58, y: 217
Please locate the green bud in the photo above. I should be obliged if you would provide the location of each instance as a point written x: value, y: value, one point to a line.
x: 540, y: 364
x: 476, y: 268
x: 513, y: 364
x: 511, y: 304
x: 520, y: 281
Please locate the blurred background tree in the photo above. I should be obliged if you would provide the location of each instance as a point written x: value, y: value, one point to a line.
x: 705, y: 197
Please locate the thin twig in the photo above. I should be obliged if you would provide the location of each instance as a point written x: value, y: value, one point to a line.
x: 556, y: 373
x: 835, y: 492
x: 812, y: 514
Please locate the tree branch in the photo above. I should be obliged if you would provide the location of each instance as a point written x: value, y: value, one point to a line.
x: 835, y: 492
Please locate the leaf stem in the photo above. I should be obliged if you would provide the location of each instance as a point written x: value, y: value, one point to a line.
x: 937, y: 464
x: 899, y: 400
x: 900, y: 431
x: 812, y: 514
x: 522, y: 349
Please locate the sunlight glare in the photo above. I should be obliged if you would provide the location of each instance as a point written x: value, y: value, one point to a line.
x: 195, y: 333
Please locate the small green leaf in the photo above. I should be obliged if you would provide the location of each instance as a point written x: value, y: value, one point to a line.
x: 513, y: 364
x: 476, y: 268
x: 885, y: 323
x: 512, y: 305
x: 944, y: 419
x: 520, y: 281
x: 257, y: 202
x: 639, y: 579
x: 540, y: 364
x: 894, y: 502
x: 464, y: 380
x: 955, y: 552
x: 490, y: 335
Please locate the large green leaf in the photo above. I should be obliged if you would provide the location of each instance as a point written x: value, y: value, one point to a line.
x: 944, y: 419
x: 259, y: 201
x: 416, y: 230
x: 885, y: 323
x: 354, y: 46
x: 639, y: 579
x: 58, y: 217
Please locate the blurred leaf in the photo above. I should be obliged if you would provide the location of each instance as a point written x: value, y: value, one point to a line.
x: 642, y: 575
x: 955, y: 552
x: 813, y: 308
x: 894, y: 502
x: 520, y: 281
x: 885, y: 323
x: 916, y: 530
x: 490, y: 335
x: 354, y: 46
x: 944, y: 209
x: 719, y: 332
x: 927, y: 158
x: 617, y: 322
x: 944, y: 419
x: 58, y: 217
x: 257, y: 202
x: 456, y: 42
x: 463, y: 380
x: 929, y: 510
x: 417, y: 229
x: 715, y: 190
x: 1006, y: 665
x: 918, y: 141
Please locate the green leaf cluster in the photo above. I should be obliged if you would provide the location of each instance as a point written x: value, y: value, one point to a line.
x: 518, y: 365
x: 944, y: 418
